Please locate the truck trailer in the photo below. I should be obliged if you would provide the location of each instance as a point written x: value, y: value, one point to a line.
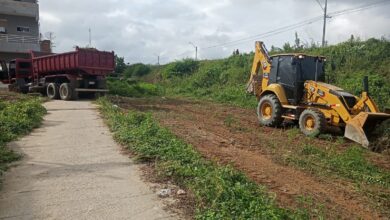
x: 60, y: 76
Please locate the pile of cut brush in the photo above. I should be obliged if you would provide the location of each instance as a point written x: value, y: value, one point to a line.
x: 381, y: 138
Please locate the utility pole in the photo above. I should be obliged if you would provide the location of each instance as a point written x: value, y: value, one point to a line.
x: 158, y: 58
x: 196, y: 50
x: 325, y: 17
x: 90, y: 38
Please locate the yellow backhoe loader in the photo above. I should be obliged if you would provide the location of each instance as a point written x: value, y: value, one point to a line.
x: 291, y: 86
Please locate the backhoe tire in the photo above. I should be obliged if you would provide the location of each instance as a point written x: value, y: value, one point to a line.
x: 312, y: 122
x: 52, y: 91
x: 66, y: 91
x: 269, y: 111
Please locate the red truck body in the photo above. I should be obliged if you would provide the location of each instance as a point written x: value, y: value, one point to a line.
x: 61, y: 75
x: 81, y: 61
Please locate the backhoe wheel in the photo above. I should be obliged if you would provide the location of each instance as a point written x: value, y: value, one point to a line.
x: 52, y: 91
x: 269, y: 111
x: 312, y: 122
x: 66, y: 91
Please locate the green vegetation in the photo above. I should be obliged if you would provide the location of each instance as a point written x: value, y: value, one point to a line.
x: 225, y: 80
x: 130, y: 88
x: 137, y: 70
x: 220, y: 191
x: 17, y: 118
x: 350, y: 164
x: 219, y: 80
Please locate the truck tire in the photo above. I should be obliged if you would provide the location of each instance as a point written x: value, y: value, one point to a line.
x: 67, y: 92
x: 269, y: 111
x: 52, y: 91
x: 312, y: 122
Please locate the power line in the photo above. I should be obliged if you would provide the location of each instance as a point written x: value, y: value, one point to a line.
x: 297, y: 25
x: 320, y: 4
x: 361, y: 8
x: 288, y: 27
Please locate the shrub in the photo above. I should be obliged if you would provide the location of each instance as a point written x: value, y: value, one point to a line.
x: 17, y: 118
x: 137, y: 70
x: 180, y: 68
x: 133, y: 88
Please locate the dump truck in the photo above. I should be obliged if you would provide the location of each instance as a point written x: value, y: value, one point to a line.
x: 292, y: 87
x: 60, y: 76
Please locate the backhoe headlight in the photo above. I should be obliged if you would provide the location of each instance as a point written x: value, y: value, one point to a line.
x: 321, y: 93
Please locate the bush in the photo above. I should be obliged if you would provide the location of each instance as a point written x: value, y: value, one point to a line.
x: 17, y: 118
x: 137, y: 70
x: 180, y: 68
x: 133, y: 88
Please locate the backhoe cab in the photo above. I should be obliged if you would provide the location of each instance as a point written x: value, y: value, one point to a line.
x: 291, y: 86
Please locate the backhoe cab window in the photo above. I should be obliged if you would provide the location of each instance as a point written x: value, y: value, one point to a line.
x: 310, y: 67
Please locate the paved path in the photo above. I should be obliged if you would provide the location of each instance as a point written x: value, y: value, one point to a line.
x: 73, y: 169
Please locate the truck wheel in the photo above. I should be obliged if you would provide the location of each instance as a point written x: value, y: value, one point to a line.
x: 52, y: 91
x: 269, y: 111
x: 312, y: 122
x: 66, y: 91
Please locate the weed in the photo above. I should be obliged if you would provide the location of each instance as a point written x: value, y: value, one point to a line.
x: 327, y: 137
x: 229, y: 121
x: 133, y: 89
x: 293, y: 133
x: 17, y: 118
x: 349, y: 164
x: 340, y: 140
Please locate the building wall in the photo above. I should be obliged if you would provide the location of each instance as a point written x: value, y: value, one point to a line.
x: 21, y: 8
x: 31, y: 1
x: 19, y: 28
x: 12, y: 22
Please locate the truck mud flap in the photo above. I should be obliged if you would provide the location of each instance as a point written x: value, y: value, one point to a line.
x: 360, y: 127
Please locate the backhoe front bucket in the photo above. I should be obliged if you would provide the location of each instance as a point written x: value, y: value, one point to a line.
x: 359, y: 128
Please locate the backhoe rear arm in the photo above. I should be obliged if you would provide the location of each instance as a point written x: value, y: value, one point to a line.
x: 261, y: 60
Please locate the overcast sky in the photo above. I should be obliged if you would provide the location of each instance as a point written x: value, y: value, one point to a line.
x: 140, y: 29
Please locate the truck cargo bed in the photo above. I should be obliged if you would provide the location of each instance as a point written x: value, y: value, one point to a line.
x: 80, y: 62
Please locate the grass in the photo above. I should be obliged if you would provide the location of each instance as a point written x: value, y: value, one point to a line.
x: 220, y: 191
x: 17, y: 117
x: 350, y: 164
x: 129, y: 88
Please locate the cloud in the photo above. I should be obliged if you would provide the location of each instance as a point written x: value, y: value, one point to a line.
x: 48, y: 18
x: 140, y: 29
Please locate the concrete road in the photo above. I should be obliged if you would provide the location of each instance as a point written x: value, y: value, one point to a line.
x: 3, y: 86
x: 73, y: 169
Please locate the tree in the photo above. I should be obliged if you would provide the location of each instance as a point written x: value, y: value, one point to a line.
x: 287, y: 48
x: 120, y: 64
x: 297, y: 45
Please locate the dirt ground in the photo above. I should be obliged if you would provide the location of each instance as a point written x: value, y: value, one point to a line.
x: 73, y: 169
x: 231, y: 135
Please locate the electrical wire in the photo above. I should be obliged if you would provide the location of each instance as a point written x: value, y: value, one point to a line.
x: 297, y: 25
x: 320, y: 4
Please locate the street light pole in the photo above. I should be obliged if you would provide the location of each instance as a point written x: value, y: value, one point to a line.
x: 158, y: 58
x: 325, y: 17
x: 196, y: 50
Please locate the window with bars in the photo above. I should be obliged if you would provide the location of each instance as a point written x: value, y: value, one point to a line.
x: 23, y: 29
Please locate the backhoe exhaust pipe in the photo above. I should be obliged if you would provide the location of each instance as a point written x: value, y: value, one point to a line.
x: 365, y: 84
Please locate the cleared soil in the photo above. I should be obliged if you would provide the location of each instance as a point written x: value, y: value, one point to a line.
x: 231, y: 135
